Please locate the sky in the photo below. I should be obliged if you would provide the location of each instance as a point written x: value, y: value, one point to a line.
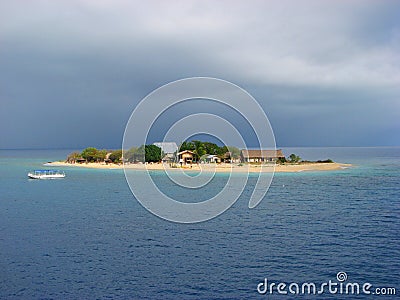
x: 326, y: 73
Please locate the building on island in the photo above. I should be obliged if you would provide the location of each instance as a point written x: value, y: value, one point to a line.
x: 229, y: 158
x: 80, y: 160
x: 185, y: 157
x: 212, y: 159
x: 107, y: 159
x: 260, y: 156
x: 168, y: 150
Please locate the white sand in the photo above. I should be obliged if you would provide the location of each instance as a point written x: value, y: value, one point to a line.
x: 212, y: 167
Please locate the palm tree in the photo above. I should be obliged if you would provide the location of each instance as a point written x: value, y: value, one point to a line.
x: 73, y: 157
x: 199, y: 150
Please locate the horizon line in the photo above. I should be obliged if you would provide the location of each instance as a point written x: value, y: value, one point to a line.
x: 115, y: 148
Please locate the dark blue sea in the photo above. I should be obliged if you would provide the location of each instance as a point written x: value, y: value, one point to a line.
x: 86, y: 237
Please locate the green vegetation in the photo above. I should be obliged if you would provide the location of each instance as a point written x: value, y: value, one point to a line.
x: 202, y: 148
x: 294, y: 158
x: 325, y: 161
x: 135, y: 154
x: 73, y: 157
x: 281, y: 160
x: 148, y: 153
x: 235, y: 152
x: 130, y: 154
x: 116, y: 156
x: 93, y: 155
x: 152, y: 153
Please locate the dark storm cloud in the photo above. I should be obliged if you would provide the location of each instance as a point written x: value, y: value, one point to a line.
x: 326, y: 73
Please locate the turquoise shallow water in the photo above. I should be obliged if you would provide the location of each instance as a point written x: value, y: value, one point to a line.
x: 86, y: 237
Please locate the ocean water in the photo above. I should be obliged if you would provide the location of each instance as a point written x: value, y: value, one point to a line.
x: 86, y: 237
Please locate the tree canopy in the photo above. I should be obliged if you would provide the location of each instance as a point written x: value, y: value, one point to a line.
x: 294, y: 158
x: 152, y: 153
x: 201, y: 148
x: 116, y: 156
x: 235, y: 152
x: 73, y: 157
x: 92, y: 154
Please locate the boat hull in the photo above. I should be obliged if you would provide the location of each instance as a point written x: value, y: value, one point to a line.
x: 46, y: 174
x: 32, y: 176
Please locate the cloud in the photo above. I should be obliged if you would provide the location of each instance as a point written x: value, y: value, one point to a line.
x: 312, y: 43
x: 93, y: 55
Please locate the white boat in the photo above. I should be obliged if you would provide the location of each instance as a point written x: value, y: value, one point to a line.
x: 46, y: 174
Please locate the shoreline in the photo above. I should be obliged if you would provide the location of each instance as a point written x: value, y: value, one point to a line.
x: 219, y: 168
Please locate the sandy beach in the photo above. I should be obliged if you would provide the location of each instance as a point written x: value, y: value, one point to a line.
x: 301, y: 167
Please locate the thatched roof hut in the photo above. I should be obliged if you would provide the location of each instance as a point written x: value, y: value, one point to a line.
x: 259, y: 155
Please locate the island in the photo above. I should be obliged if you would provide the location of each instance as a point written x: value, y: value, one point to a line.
x: 195, y: 156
